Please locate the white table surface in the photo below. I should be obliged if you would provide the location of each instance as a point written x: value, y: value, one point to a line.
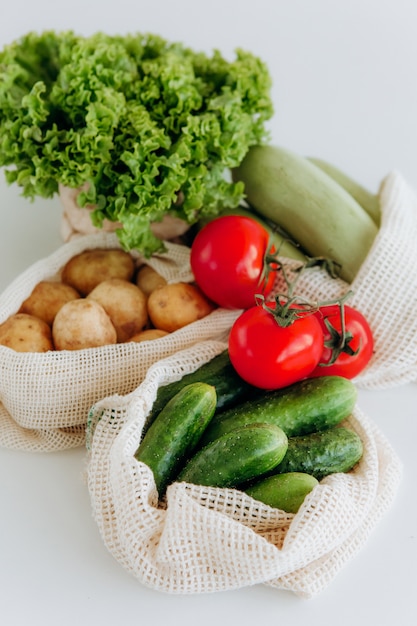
x: 345, y: 89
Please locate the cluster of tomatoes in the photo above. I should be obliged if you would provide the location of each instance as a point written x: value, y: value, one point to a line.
x: 276, y: 341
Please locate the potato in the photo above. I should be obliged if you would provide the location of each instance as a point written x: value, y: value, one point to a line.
x: 47, y: 298
x: 26, y: 333
x: 124, y: 303
x: 148, y: 279
x: 177, y: 304
x: 149, y: 334
x: 86, y: 270
x: 82, y: 324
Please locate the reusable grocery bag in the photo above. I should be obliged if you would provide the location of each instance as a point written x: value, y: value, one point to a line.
x: 384, y: 290
x: 45, y: 397
x: 203, y: 539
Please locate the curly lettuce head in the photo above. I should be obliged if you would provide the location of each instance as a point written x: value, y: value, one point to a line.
x: 150, y: 126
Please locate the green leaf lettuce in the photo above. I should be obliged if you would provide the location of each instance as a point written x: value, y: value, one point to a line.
x: 150, y: 127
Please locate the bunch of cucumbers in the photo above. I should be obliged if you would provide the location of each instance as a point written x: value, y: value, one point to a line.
x: 211, y: 428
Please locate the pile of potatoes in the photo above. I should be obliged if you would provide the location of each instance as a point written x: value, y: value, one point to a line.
x: 100, y: 299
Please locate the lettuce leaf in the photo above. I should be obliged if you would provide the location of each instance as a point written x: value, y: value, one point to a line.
x: 151, y: 126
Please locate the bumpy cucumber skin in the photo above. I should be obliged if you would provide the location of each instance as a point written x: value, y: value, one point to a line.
x: 218, y: 372
x: 367, y: 200
x: 176, y: 431
x: 237, y: 457
x: 283, y: 491
x: 335, y: 450
x: 304, y: 407
x: 321, y: 216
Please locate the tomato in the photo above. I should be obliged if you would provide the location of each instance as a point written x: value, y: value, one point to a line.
x: 352, y: 357
x: 228, y: 259
x: 270, y: 356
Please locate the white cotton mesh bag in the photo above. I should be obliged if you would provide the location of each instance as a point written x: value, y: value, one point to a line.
x: 204, y: 539
x: 45, y: 397
x: 208, y: 539
x: 384, y: 290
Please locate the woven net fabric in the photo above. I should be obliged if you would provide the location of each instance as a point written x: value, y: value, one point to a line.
x: 384, y: 290
x: 203, y: 539
x: 45, y: 397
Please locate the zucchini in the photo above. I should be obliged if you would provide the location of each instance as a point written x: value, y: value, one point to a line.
x: 368, y: 201
x: 218, y: 372
x: 237, y: 457
x: 321, y: 216
x: 320, y: 454
x: 283, y: 491
x: 306, y: 406
x: 174, y: 434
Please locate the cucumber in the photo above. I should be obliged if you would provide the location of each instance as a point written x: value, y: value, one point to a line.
x: 307, y: 406
x: 174, y: 434
x: 320, y: 454
x: 218, y: 372
x: 368, y: 201
x: 283, y: 491
x: 317, y: 213
x: 237, y: 457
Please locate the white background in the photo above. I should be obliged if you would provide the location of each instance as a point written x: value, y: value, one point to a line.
x: 345, y: 89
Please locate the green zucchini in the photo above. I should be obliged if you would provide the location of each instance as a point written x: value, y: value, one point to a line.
x: 283, y: 491
x: 174, y: 434
x: 237, y: 457
x: 320, y: 454
x: 309, y: 405
x: 368, y: 201
x: 218, y: 372
x: 317, y: 213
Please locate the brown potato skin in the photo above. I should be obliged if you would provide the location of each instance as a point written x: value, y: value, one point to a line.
x: 148, y: 279
x: 149, y: 334
x: 81, y: 324
x: 124, y: 303
x: 86, y: 270
x: 47, y: 298
x: 177, y: 304
x: 26, y: 333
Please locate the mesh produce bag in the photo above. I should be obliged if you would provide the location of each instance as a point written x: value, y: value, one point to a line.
x: 207, y: 539
x: 204, y: 539
x: 45, y: 397
x: 384, y: 290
